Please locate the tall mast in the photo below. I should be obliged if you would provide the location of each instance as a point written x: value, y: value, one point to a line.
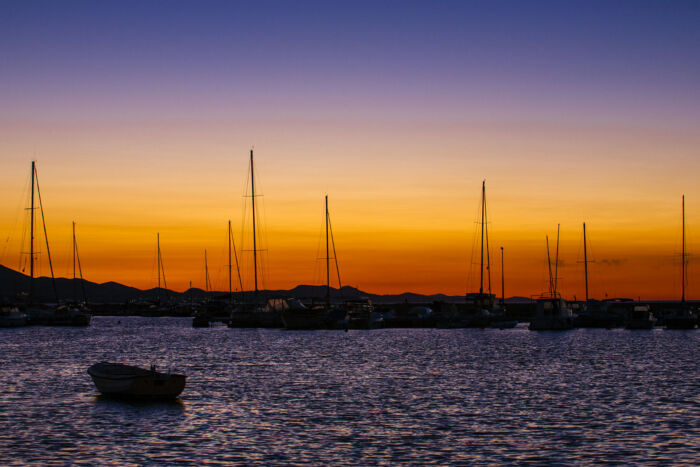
x: 328, y: 266
x: 76, y: 259
x: 585, y: 259
x: 549, y: 264
x: 31, y: 239
x: 206, y: 271
x: 158, y: 260
x: 488, y: 248
x: 75, y: 295
x: 252, y: 188
x: 230, y: 292
x: 683, y: 255
x: 556, y: 262
x: 481, y: 270
x: 503, y: 281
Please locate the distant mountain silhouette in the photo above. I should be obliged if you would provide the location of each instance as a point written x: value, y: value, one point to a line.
x: 14, y: 285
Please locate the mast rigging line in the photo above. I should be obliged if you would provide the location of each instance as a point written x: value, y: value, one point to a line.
x: 46, y: 237
x: 335, y: 255
x: 235, y: 255
x: 80, y: 269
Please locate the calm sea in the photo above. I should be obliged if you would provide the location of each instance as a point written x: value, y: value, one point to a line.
x: 416, y: 396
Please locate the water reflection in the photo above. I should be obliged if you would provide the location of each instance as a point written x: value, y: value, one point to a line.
x: 364, y: 397
x: 113, y: 402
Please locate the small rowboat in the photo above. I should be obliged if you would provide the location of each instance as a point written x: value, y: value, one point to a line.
x: 115, y: 379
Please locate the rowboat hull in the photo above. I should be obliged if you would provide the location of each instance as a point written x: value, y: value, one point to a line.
x: 125, y: 381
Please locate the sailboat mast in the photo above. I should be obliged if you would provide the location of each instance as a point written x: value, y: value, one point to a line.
x: 549, y: 264
x: 206, y: 271
x: 230, y: 292
x: 503, y: 281
x: 683, y: 255
x: 488, y: 248
x: 76, y: 259
x: 75, y: 294
x: 556, y: 262
x: 158, y: 259
x: 252, y: 188
x: 31, y: 239
x: 328, y: 264
x: 481, y: 270
x: 585, y: 259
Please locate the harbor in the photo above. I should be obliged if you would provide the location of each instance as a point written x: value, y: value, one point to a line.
x: 325, y: 307
x: 350, y: 233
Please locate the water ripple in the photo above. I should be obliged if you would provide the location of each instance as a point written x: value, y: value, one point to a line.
x: 416, y: 396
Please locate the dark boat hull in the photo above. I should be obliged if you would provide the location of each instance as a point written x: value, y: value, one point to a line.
x: 117, y: 380
x: 300, y: 319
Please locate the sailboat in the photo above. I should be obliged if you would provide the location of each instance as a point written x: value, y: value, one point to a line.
x: 684, y: 317
x: 552, y: 313
x: 593, y: 313
x: 253, y: 314
x: 298, y: 316
x: 479, y: 306
x: 49, y: 315
x: 202, y: 315
x: 217, y: 310
x: 37, y: 313
x: 11, y: 317
x: 76, y: 313
x: 498, y: 317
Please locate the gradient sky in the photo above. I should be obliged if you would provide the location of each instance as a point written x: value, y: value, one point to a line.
x: 141, y: 115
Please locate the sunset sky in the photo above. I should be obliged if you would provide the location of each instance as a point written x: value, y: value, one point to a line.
x: 141, y: 116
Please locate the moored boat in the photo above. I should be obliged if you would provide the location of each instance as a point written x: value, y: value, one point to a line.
x: 11, y: 317
x: 361, y: 315
x: 116, y: 379
x: 684, y: 317
x: 553, y: 313
x: 640, y: 317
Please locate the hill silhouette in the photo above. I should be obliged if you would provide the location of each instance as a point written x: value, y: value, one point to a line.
x: 14, y: 285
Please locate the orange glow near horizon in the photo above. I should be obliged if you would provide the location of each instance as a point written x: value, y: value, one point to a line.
x: 407, y: 229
